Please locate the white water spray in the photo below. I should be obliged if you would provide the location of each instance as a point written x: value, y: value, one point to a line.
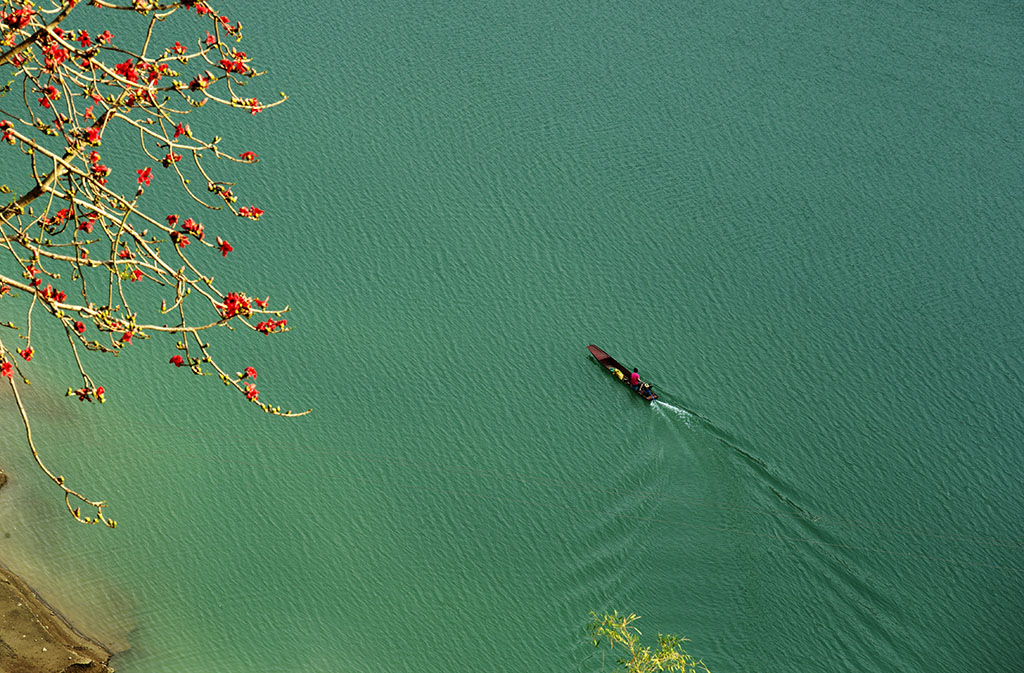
x: 683, y: 414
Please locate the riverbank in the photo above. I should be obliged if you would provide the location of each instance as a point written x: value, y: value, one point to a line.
x: 36, y: 639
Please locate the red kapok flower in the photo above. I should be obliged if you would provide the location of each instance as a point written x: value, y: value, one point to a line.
x: 5, y: 369
x: 193, y: 227
x: 236, y: 304
x: 105, y: 37
x: 250, y: 372
x: 177, y: 361
x: 79, y: 326
x: 27, y: 353
x: 270, y: 326
x: 247, y: 156
x: 224, y: 246
x: 252, y: 212
x: 145, y: 175
x: 136, y: 275
x: 126, y: 338
x: 100, y: 173
x: 19, y: 18
x: 127, y: 70
x: 251, y: 393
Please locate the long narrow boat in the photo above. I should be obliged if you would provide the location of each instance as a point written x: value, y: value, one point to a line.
x: 619, y: 371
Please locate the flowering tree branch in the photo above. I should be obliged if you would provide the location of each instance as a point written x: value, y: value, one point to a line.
x: 78, y: 235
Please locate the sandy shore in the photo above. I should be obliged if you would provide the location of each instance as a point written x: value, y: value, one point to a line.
x: 36, y: 639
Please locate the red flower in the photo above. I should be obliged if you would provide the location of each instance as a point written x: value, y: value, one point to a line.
x: 250, y: 372
x: 262, y: 303
x: 210, y: 39
x: 83, y: 38
x: 199, y: 83
x: 247, y: 156
x: 193, y: 227
x: 54, y: 55
x: 270, y: 326
x: 224, y: 246
x: 233, y: 66
x: 5, y: 369
x: 100, y: 173
x: 19, y: 18
x: 179, y: 239
x: 52, y: 294
x: 126, y: 338
x: 252, y: 212
x: 136, y: 275
x: 177, y: 361
x: 251, y: 393
x: 145, y: 175
x: 171, y: 158
x: 236, y: 304
x: 79, y: 326
x: 105, y: 37
x: 99, y: 393
x: 182, y: 130
x: 172, y: 220
x: 125, y: 253
x: 27, y: 353
x: 178, y: 49
x: 127, y: 70
x: 95, y: 134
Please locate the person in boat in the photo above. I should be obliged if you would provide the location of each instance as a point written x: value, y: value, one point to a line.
x: 634, y: 380
x: 645, y: 389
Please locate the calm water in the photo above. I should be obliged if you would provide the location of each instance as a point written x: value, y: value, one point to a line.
x: 803, y: 224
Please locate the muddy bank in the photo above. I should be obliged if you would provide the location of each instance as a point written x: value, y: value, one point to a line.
x: 35, y: 639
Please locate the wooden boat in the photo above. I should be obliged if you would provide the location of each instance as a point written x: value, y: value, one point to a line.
x: 619, y: 371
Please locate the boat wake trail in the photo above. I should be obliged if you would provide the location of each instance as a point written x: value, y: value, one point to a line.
x: 664, y: 408
x: 696, y: 421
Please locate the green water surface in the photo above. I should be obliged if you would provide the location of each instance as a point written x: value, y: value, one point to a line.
x: 801, y: 221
